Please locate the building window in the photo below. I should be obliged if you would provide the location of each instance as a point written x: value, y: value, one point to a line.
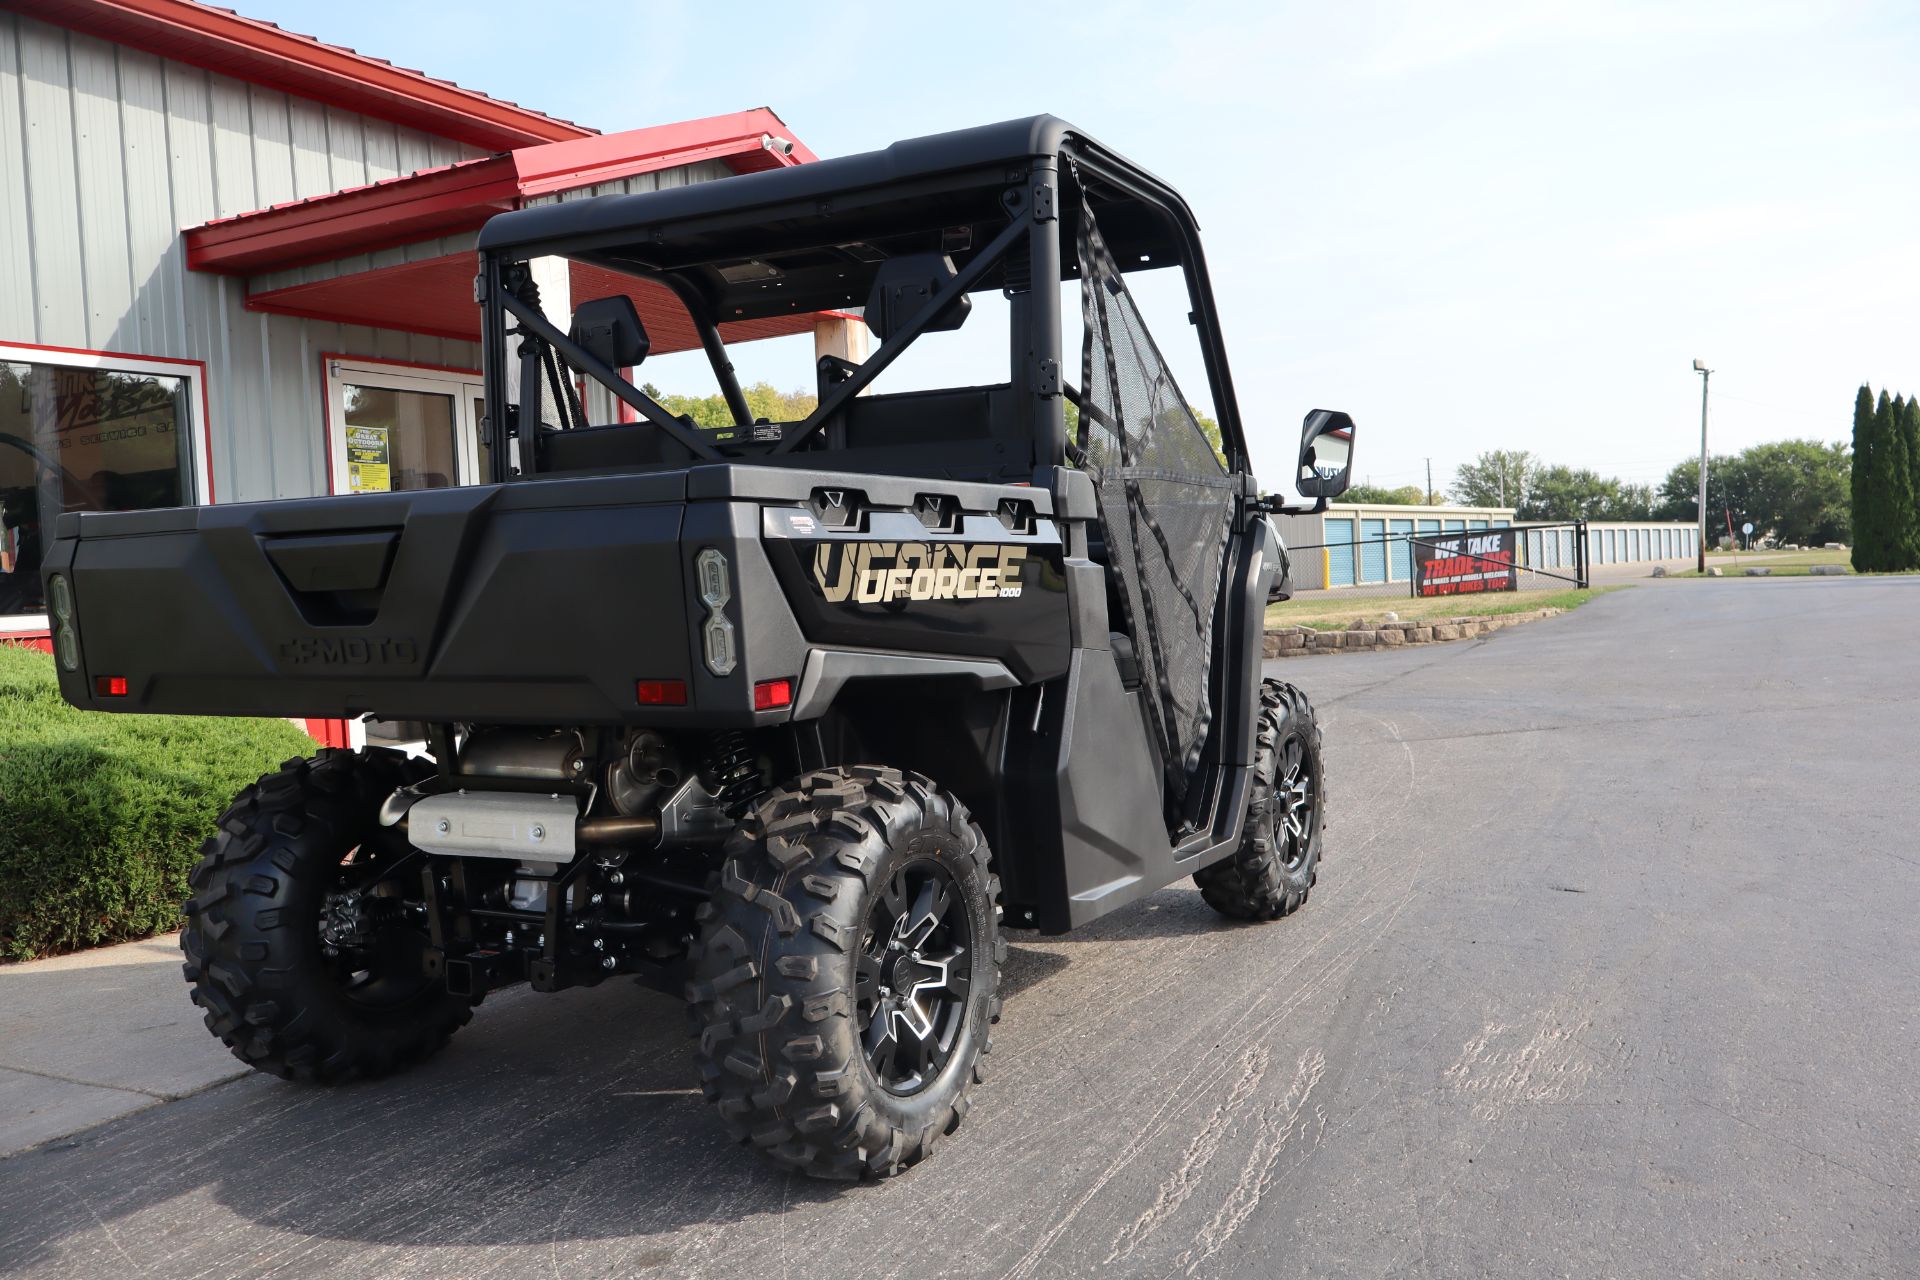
x: 85, y: 432
x: 403, y: 426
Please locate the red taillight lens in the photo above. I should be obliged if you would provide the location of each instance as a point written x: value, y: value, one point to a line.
x: 771, y: 695
x: 660, y: 693
x: 110, y: 686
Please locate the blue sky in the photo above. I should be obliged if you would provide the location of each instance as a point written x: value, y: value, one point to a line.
x: 1471, y: 225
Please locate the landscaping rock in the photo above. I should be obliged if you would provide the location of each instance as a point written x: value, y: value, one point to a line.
x: 1419, y: 635
x: 1714, y: 572
x: 1659, y: 571
x: 1759, y: 573
x: 1829, y: 570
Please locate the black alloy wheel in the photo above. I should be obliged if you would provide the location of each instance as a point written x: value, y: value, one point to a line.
x: 913, y: 976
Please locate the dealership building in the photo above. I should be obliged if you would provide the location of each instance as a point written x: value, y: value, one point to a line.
x: 224, y: 247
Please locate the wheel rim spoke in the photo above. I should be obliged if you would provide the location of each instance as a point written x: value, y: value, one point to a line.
x: 895, y: 895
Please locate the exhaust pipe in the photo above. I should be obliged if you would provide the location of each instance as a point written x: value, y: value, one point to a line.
x: 619, y: 829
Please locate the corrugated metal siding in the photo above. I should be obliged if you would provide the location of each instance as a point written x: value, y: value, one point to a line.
x: 106, y: 154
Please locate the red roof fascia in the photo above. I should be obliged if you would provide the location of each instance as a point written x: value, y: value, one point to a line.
x: 459, y: 197
x: 747, y: 141
x: 418, y: 206
x: 261, y: 53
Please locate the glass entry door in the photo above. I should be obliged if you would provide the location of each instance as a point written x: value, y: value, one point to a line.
x: 395, y: 427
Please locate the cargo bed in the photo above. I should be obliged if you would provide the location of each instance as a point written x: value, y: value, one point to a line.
x: 494, y: 602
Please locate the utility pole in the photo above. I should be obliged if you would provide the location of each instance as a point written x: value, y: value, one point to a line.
x: 1429, y: 481
x: 1700, y: 367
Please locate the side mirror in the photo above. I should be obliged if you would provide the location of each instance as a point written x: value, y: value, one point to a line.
x: 610, y: 329
x: 903, y: 287
x: 1326, y: 454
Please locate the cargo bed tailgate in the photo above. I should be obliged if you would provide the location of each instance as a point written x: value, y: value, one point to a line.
x: 537, y: 602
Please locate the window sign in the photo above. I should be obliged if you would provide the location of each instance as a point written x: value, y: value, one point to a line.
x: 369, y: 460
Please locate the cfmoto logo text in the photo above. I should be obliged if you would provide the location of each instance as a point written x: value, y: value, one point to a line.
x: 877, y: 572
x: 359, y: 651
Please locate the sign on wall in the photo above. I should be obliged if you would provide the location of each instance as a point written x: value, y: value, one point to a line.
x: 369, y: 460
x: 1458, y: 564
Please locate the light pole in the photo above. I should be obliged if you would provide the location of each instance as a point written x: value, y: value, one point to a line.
x: 1700, y: 367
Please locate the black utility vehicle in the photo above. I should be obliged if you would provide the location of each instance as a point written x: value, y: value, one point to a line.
x: 795, y: 717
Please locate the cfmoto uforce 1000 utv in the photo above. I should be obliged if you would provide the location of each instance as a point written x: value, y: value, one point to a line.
x: 797, y: 718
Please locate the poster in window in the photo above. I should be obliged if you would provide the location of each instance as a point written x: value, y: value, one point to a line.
x: 1465, y: 563
x: 369, y: 460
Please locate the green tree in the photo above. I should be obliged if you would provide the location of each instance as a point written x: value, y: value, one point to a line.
x: 1497, y: 478
x: 1407, y: 495
x: 763, y: 401
x: 1902, y: 531
x: 1909, y: 432
x: 1211, y: 430
x: 1866, y: 456
x: 1636, y: 502
x: 1567, y: 493
x: 1792, y: 490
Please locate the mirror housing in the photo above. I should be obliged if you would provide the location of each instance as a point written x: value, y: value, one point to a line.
x: 610, y: 329
x: 904, y: 286
x: 1326, y: 454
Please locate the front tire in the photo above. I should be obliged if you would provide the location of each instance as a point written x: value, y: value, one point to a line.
x: 1278, y: 860
x: 305, y: 957
x: 847, y: 972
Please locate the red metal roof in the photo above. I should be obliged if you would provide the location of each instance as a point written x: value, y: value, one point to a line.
x: 435, y: 297
x: 262, y: 53
x: 459, y: 197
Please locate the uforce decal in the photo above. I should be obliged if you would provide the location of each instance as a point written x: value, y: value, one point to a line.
x: 356, y: 652
x: 876, y: 572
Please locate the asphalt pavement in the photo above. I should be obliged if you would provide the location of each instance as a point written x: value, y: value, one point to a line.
x: 1611, y: 971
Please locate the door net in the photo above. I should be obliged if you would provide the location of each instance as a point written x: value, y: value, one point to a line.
x: 1165, y: 505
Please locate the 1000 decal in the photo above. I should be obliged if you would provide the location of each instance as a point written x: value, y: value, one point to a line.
x: 878, y: 572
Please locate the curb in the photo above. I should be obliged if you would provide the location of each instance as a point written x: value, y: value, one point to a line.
x: 1305, y: 642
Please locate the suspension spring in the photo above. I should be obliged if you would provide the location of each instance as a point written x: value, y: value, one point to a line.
x: 732, y: 771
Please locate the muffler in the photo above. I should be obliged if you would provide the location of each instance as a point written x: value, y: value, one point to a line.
x: 519, y: 826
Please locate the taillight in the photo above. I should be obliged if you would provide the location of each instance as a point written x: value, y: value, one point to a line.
x: 660, y: 693
x: 771, y: 695
x: 110, y: 686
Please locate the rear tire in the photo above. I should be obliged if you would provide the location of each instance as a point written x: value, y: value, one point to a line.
x: 255, y: 953
x: 1278, y: 860
x: 827, y: 1047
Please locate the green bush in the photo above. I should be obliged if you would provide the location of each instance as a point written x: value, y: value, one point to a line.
x: 101, y: 815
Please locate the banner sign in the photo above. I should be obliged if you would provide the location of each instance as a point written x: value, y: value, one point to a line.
x: 1458, y: 564
x: 369, y: 460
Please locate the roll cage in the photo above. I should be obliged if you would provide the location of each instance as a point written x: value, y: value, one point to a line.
x: 997, y: 203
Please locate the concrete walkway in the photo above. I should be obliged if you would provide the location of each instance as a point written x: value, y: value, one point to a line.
x: 96, y: 1036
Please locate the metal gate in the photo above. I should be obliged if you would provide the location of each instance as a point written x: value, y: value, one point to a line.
x: 1403, y: 558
